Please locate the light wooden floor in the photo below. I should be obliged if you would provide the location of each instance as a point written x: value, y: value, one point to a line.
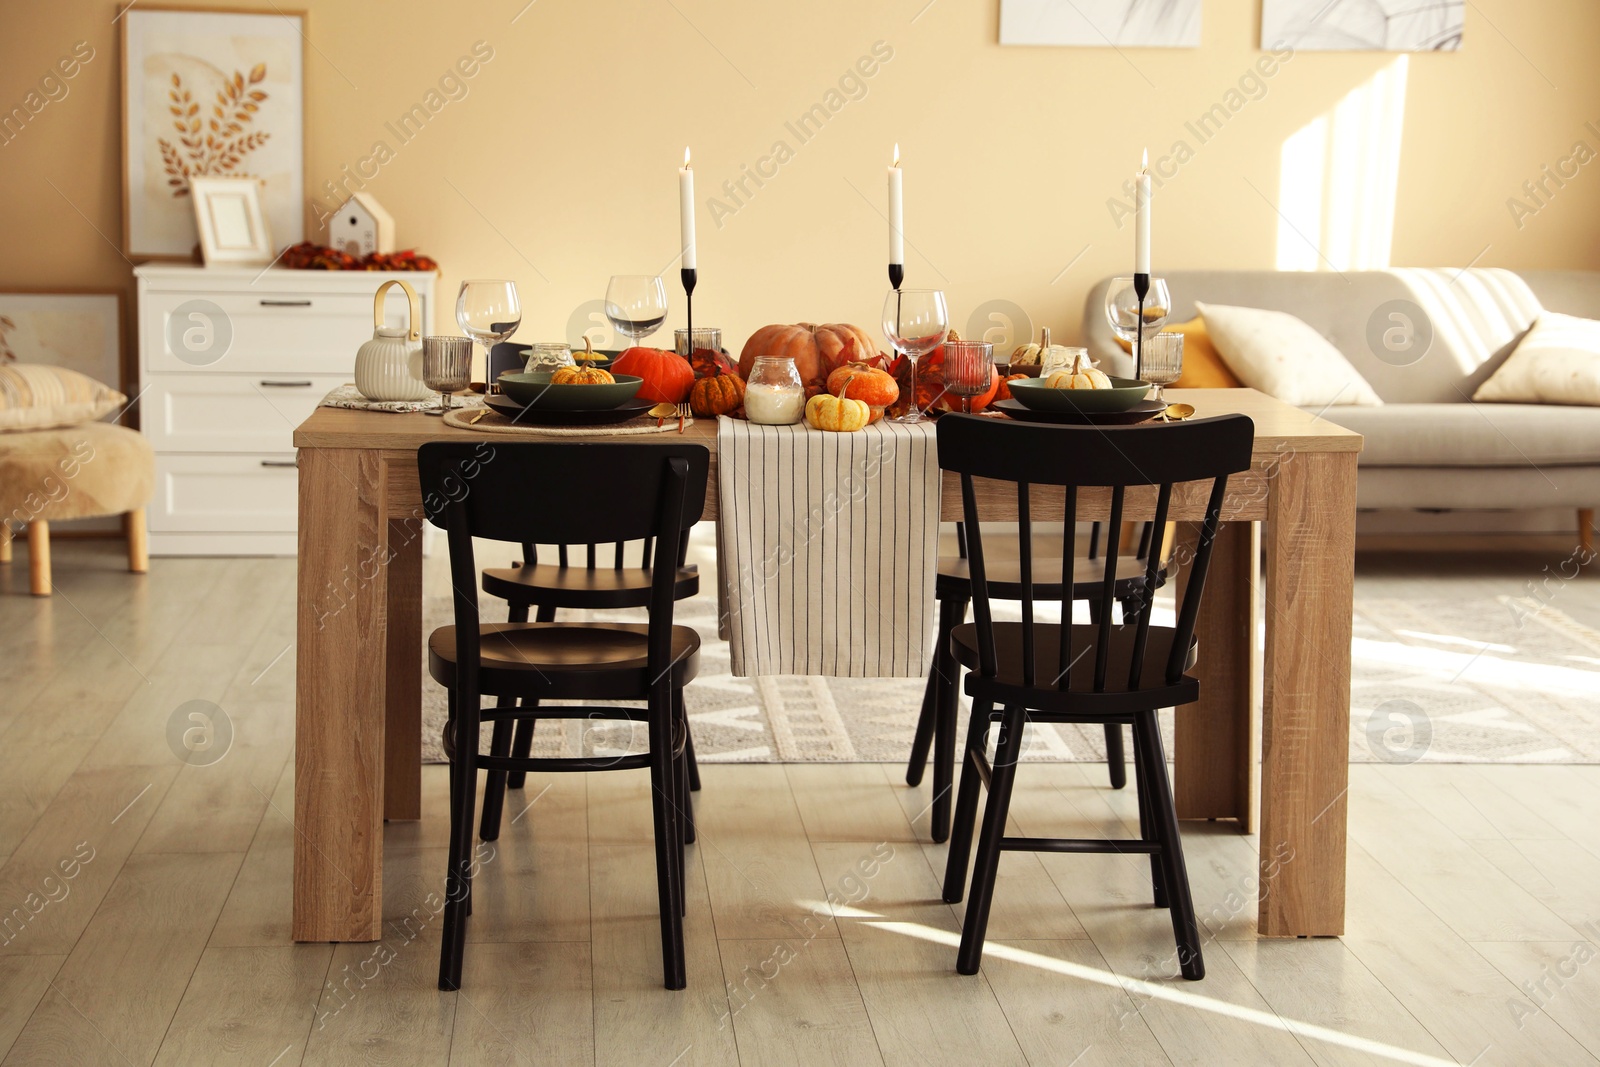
x: 1472, y: 935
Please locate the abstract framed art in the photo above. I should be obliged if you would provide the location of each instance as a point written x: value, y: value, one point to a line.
x: 1363, y: 25
x: 1101, y: 23
x: 209, y: 93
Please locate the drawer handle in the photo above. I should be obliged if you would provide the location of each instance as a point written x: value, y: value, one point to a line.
x: 280, y: 463
x: 268, y: 383
x: 285, y: 303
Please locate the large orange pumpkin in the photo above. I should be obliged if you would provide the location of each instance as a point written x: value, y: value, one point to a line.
x: 667, y: 376
x: 816, y: 350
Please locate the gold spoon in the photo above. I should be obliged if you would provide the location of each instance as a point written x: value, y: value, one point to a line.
x: 1177, y: 412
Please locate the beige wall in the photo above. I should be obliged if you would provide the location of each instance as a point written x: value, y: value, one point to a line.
x: 563, y: 152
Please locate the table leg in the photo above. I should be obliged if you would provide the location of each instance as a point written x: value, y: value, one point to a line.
x: 1215, y: 738
x: 402, y: 746
x: 339, y: 697
x: 1310, y: 595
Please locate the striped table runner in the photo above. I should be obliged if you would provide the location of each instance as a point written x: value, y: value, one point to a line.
x: 829, y: 545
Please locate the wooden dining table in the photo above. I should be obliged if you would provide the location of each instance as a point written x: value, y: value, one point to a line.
x: 1285, y: 558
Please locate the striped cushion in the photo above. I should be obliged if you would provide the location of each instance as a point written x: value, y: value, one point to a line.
x: 37, y: 396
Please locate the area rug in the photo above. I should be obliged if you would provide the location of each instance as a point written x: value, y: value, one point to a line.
x: 1449, y: 672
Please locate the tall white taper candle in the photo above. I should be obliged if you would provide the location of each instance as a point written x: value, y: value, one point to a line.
x: 686, y: 210
x: 897, y: 221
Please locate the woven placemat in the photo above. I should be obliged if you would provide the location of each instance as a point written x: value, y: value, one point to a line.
x: 494, y: 422
x: 348, y: 396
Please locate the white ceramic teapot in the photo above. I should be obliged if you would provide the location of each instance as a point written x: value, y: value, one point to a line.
x: 389, y: 367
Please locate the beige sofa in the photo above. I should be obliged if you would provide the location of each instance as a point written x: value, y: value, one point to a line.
x: 1429, y: 446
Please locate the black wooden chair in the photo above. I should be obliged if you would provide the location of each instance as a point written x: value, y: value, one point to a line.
x: 548, y: 493
x: 936, y: 726
x: 1102, y: 672
x: 545, y: 587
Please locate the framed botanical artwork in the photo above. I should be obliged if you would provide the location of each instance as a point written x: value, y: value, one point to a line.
x: 78, y: 330
x: 209, y: 93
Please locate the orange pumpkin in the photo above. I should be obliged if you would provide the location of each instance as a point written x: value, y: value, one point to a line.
x: 666, y: 376
x: 816, y: 350
x: 875, y: 387
x: 720, y: 394
x: 1004, y: 392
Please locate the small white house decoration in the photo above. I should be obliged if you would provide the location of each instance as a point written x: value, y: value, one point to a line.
x: 360, y: 226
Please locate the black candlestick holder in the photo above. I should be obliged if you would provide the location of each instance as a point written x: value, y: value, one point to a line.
x: 1141, y: 288
x: 689, y: 278
x: 897, y: 274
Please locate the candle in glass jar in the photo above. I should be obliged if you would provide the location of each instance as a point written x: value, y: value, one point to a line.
x: 774, y: 405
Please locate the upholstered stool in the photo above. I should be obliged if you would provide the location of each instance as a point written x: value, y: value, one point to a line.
x: 79, y: 472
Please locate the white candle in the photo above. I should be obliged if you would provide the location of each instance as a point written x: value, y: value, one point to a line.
x: 774, y: 405
x: 897, y: 221
x: 686, y: 210
x: 1141, y: 238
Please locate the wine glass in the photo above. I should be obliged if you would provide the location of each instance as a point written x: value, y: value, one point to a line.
x: 1162, y: 362
x: 968, y: 369
x: 636, y: 304
x: 916, y: 321
x: 488, y: 312
x: 1122, y: 309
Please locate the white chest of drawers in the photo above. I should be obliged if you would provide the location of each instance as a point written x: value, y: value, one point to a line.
x: 231, y: 360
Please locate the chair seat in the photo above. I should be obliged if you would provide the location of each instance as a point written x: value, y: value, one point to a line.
x: 1008, y: 686
x: 562, y: 660
x: 580, y: 587
x: 1004, y: 576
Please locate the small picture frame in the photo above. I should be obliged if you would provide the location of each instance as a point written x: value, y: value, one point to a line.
x: 233, y: 228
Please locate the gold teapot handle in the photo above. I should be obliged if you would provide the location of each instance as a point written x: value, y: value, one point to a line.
x: 412, y: 333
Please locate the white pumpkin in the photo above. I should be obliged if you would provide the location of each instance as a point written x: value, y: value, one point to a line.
x: 1081, y: 375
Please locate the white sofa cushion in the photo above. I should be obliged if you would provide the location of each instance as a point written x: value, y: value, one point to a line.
x: 1283, y: 357
x: 1558, y: 362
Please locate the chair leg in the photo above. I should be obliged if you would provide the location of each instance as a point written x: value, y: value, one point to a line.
x: 133, y: 525
x: 458, y: 876
x: 955, y: 867
x: 5, y: 541
x: 987, y: 863
x: 1147, y: 831
x: 1586, y: 532
x: 523, y: 743
x: 1116, y: 759
x: 946, y: 702
x: 686, y: 772
x: 668, y: 837
x: 1186, y: 931
x: 694, y: 765
x: 39, y: 557
x: 494, y: 784
x: 922, y: 741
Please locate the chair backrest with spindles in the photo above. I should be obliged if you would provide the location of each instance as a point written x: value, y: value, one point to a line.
x: 1116, y: 458
x: 563, y: 493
